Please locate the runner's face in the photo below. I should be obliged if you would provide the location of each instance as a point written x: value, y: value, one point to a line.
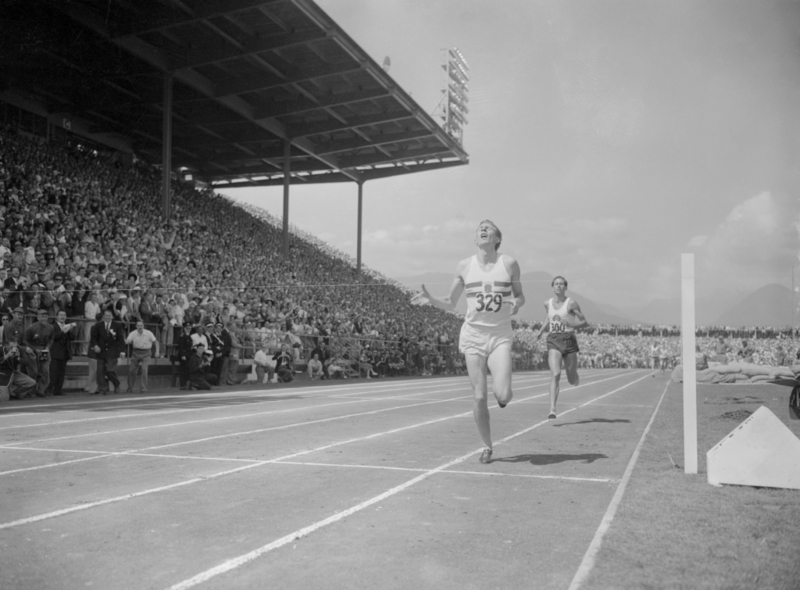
x: 486, y: 234
x: 559, y: 286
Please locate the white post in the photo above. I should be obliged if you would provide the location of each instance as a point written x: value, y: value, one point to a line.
x: 689, y: 373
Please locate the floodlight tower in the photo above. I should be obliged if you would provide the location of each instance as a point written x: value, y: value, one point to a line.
x: 453, y: 111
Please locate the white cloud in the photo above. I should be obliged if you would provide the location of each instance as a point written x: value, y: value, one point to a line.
x: 697, y: 242
x: 755, y: 245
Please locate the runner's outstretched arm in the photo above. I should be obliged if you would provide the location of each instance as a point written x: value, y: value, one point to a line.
x: 447, y: 303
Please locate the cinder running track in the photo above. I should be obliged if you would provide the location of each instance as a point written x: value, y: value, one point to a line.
x: 367, y: 484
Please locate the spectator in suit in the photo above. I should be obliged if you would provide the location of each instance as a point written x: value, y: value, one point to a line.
x: 60, y: 352
x: 216, y: 345
x: 107, y: 342
x: 185, y: 352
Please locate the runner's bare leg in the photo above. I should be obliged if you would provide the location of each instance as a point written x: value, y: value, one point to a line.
x: 554, y: 360
x: 500, y: 364
x: 476, y: 369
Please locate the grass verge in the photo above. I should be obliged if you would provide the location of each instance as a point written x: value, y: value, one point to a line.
x: 674, y: 530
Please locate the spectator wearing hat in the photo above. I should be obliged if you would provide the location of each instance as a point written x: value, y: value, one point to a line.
x: 106, y: 344
x: 141, y: 342
x: 199, y: 369
x: 37, y: 341
x: 185, y: 348
x: 63, y: 335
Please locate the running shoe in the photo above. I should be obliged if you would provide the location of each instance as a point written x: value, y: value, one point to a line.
x: 486, y: 456
x: 552, y: 416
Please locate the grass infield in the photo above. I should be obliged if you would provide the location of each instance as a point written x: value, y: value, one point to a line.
x: 674, y: 530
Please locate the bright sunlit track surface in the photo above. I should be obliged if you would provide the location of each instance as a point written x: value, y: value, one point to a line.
x: 368, y: 484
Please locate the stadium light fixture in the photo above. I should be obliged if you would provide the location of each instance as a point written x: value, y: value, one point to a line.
x: 453, y: 107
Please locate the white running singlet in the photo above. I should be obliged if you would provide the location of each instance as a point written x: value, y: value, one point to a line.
x: 557, y: 317
x: 488, y: 295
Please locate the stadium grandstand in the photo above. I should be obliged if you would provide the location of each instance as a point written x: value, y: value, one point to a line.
x: 120, y: 119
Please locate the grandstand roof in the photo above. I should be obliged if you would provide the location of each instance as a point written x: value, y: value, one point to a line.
x: 247, y: 75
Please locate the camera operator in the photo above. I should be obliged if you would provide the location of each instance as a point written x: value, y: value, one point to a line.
x: 19, y: 384
x: 36, y: 357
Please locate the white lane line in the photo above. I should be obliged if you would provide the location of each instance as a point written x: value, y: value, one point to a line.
x: 248, y: 405
x: 241, y: 433
x: 456, y: 471
x: 160, y: 400
x: 236, y: 416
x: 193, y: 441
x: 591, y: 553
x: 87, y: 506
x: 203, y: 421
x: 305, y: 531
x: 64, y: 511
x: 216, y: 437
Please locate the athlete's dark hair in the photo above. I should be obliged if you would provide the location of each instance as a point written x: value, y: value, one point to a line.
x: 497, y: 231
x: 553, y: 284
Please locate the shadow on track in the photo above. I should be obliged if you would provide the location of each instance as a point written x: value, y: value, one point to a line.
x: 592, y: 421
x: 550, y: 459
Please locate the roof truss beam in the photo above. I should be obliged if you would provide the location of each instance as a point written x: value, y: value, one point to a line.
x: 170, y: 17
x: 206, y: 56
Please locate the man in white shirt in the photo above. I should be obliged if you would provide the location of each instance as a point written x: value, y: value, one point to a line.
x: 264, y: 365
x: 142, y: 342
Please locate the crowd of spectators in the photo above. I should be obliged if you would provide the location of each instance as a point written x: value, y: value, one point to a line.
x: 640, y: 349
x: 82, y: 234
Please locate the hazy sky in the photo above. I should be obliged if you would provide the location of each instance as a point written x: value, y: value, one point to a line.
x: 605, y: 139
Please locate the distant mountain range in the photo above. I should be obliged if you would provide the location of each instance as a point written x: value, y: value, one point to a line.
x: 768, y: 306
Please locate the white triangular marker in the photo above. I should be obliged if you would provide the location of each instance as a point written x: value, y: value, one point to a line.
x: 760, y: 452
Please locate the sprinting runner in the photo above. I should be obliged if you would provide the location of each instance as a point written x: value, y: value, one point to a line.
x: 564, y: 315
x: 494, y: 294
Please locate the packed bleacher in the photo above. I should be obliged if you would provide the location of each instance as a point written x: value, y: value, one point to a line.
x: 82, y: 234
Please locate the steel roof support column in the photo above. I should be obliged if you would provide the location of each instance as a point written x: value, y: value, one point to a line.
x: 166, y: 148
x: 287, y: 173
x: 358, y: 240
